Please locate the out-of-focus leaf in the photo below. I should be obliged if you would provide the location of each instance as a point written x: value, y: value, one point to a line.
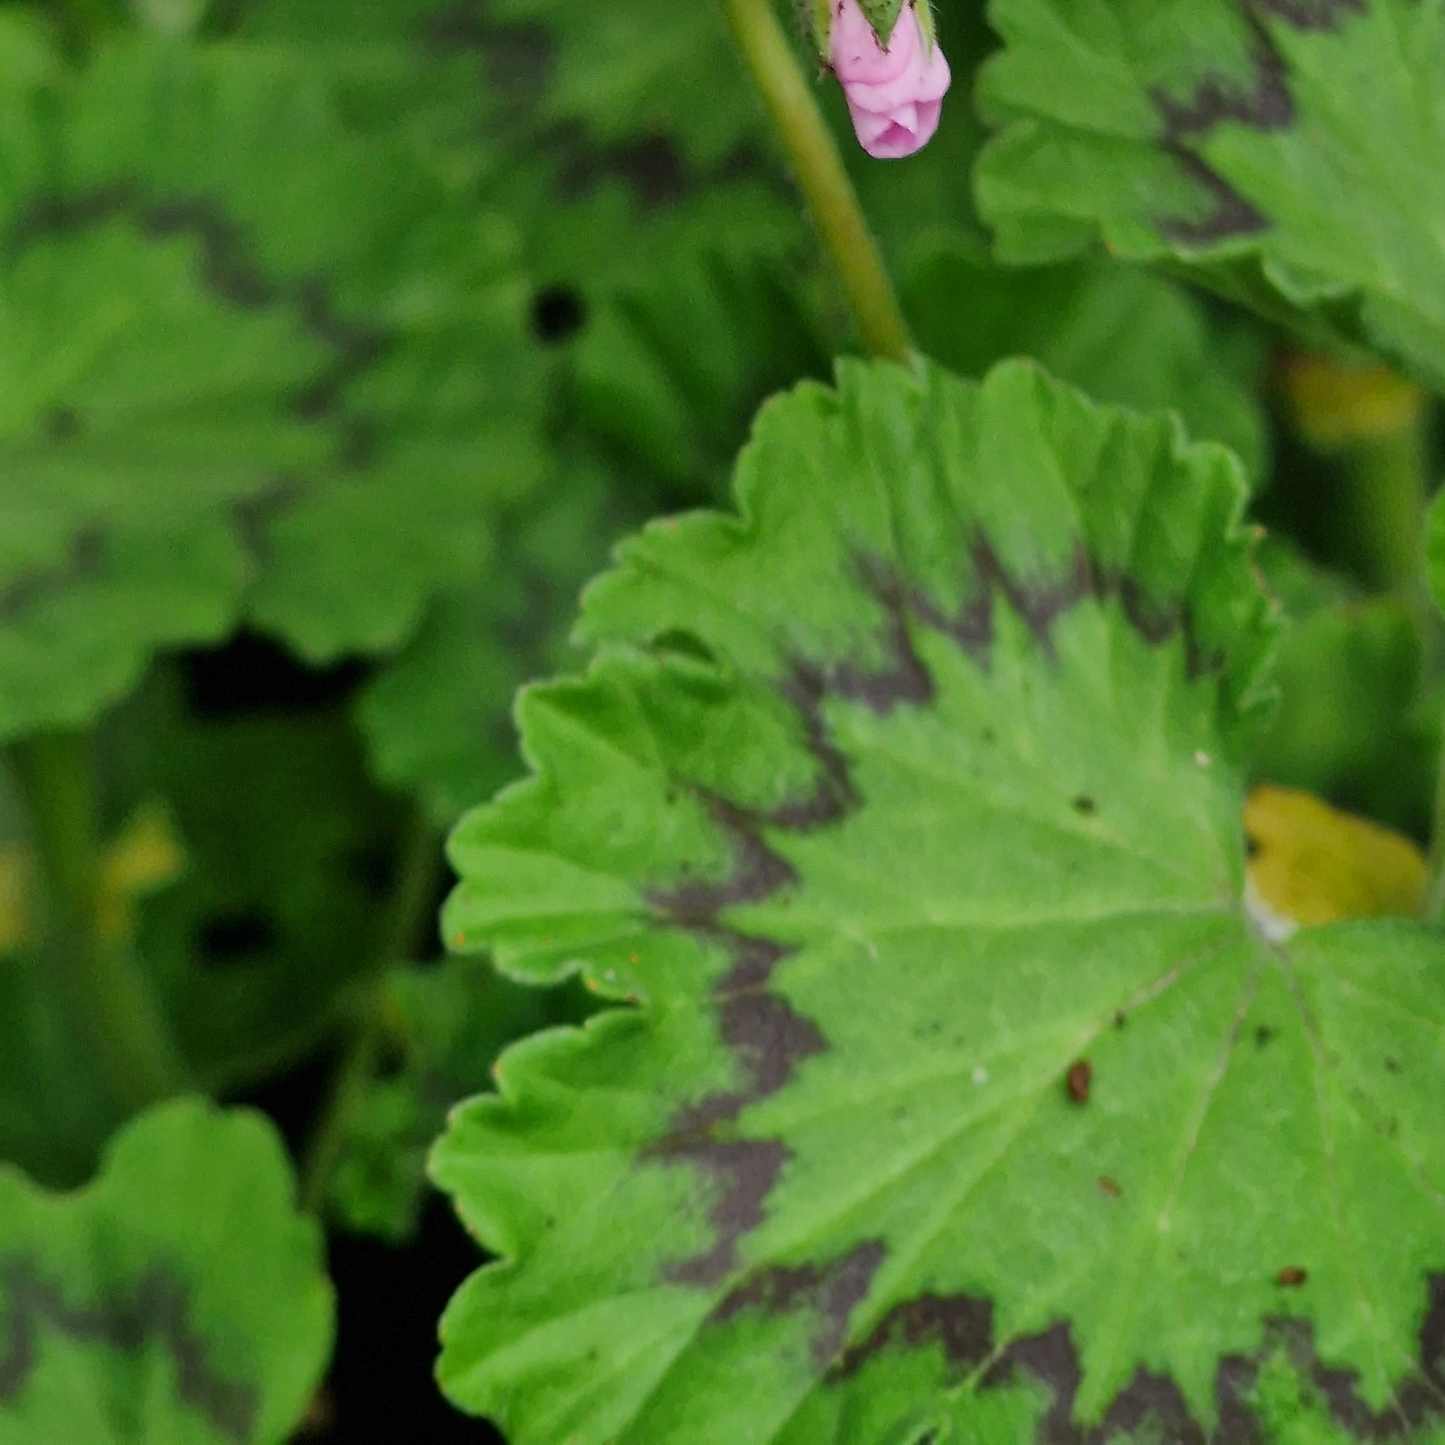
x: 1121, y: 335
x: 1310, y: 863
x: 254, y: 366
x: 179, y: 1299
x: 1352, y: 724
x: 446, y: 1027
x: 658, y: 384
x: 638, y: 68
x: 416, y: 67
x: 438, y: 717
x: 1286, y: 151
x: 671, y: 369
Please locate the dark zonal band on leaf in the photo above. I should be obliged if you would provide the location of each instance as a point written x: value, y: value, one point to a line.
x: 180, y: 1295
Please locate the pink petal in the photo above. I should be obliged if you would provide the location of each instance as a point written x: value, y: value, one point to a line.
x: 894, y: 96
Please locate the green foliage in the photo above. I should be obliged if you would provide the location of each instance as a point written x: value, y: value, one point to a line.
x: 179, y: 1298
x: 288, y: 849
x: 934, y: 1136
x: 1071, y: 317
x: 438, y: 720
x: 646, y: 68
x: 55, y: 1111
x: 254, y: 367
x: 446, y: 1027
x: 1354, y: 722
x: 1285, y: 152
x: 678, y: 411
x: 903, y: 1043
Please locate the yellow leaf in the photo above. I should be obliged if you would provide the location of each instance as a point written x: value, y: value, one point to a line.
x: 1310, y: 863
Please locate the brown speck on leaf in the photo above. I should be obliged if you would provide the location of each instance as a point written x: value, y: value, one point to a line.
x: 1078, y: 1079
x: 1110, y: 1186
x: 458, y: 940
x: 1291, y: 1276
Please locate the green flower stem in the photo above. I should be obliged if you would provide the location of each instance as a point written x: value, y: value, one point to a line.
x: 1390, y: 481
x: 1433, y: 910
x: 104, y: 990
x: 408, y: 913
x: 819, y: 168
x: 1391, y: 477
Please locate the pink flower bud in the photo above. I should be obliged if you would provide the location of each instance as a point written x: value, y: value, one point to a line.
x: 895, y: 94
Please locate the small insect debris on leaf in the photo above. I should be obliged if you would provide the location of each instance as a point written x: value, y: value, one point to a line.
x: 1291, y: 1276
x: 1110, y: 1186
x: 1080, y: 1075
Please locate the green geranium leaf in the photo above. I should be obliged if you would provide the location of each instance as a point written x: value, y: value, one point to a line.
x: 254, y: 366
x: 1281, y: 148
x: 1123, y: 335
x: 958, y: 1097
x: 179, y: 1298
x: 418, y: 66
x: 447, y: 1026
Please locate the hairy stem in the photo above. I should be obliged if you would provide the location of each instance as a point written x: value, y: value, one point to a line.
x: 104, y: 991
x: 819, y: 168
x: 407, y: 914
